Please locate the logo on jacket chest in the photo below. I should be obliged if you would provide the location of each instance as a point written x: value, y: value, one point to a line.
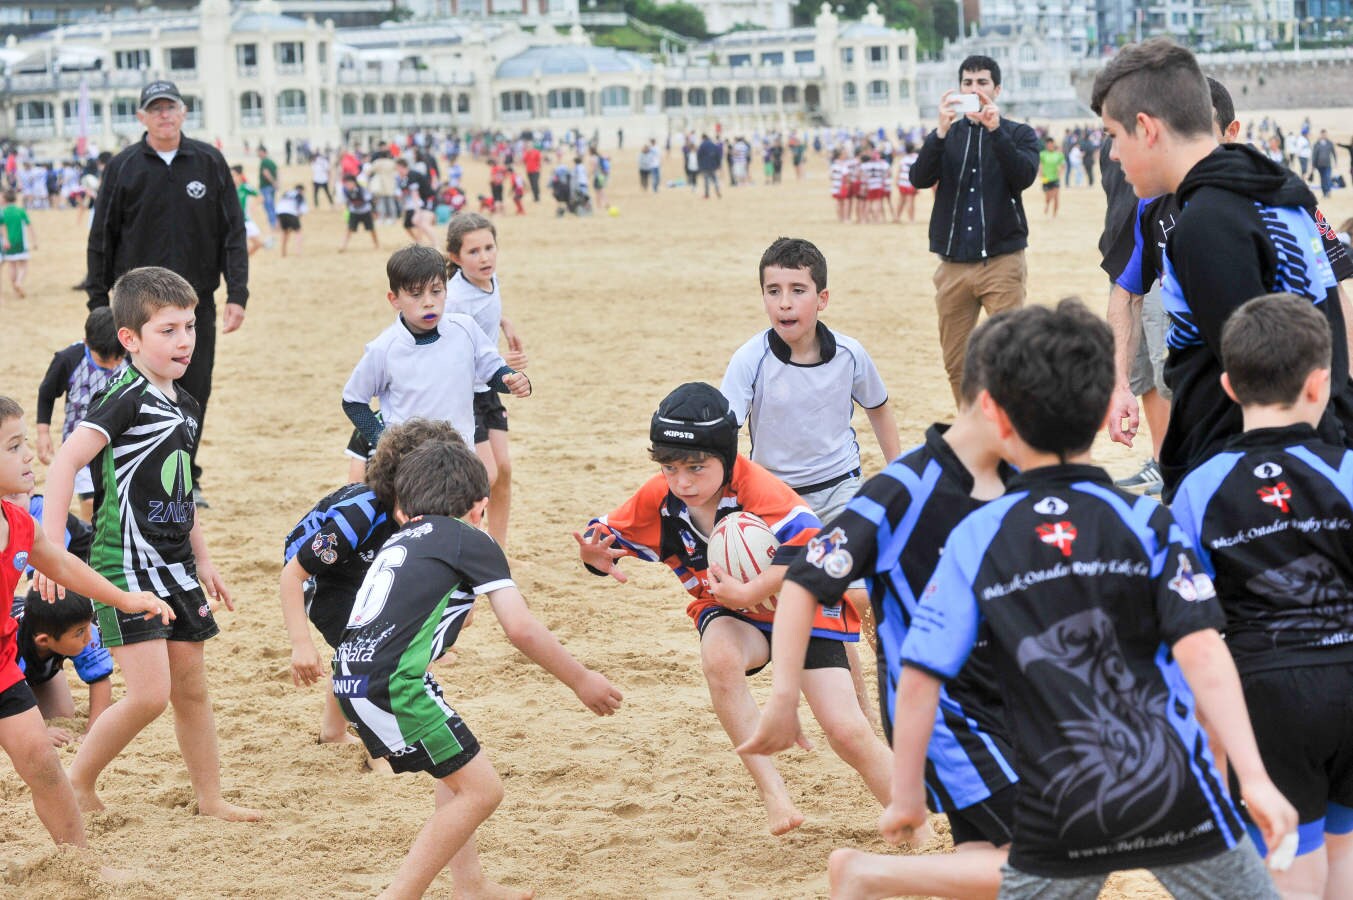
x: 197, y: 190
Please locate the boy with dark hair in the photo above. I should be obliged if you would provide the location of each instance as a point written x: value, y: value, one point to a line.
x: 140, y: 435
x: 49, y: 633
x: 892, y: 534
x: 427, y: 362
x: 694, y: 440
x: 1241, y: 214
x: 1270, y: 516
x: 410, y: 608
x: 328, y: 553
x: 1115, y: 771
x: 79, y: 371
x: 357, y: 199
x: 22, y: 734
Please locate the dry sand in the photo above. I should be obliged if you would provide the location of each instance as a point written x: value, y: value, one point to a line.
x: 614, y: 313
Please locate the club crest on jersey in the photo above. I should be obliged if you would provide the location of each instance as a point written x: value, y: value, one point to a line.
x: 1058, y: 534
x: 1267, y: 470
x: 1051, y: 506
x: 21, y: 560
x: 324, y: 546
x: 1190, y: 585
x: 204, y: 610
x: 688, y: 541
x: 828, y: 552
x: 197, y: 190
x: 1276, y: 495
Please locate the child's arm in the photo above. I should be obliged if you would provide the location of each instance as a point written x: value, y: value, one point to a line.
x: 779, y: 727
x: 59, y: 567
x: 1212, y: 676
x: 76, y: 453
x: 516, y: 351
x: 918, y: 696
x: 599, y: 553
x: 305, y: 662
x: 751, y: 595
x: 54, y: 384
x: 529, y: 636
x: 365, y: 382
x: 884, y: 423
x: 206, y: 572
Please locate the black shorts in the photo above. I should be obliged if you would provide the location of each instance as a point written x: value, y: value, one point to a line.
x: 489, y: 415
x: 822, y: 653
x: 363, y: 219
x: 289, y: 222
x: 497, y: 191
x: 330, y: 615
x: 447, y: 749
x: 15, y: 699
x: 991, y: 820
x: 193, y: 622
x: 408, y: 217
x: 1303, y: 723
x: 1049, y: 186
x: 358, y: 448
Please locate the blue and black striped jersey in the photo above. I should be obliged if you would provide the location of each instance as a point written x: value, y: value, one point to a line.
x: 337, y: 540
x: 1272, y: 518
x: 1084, y: 589
x: 891, y: 535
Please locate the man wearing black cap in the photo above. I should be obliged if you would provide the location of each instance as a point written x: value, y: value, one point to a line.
x: 170, y: 201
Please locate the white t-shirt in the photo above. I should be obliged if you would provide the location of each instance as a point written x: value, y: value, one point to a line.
x: 485, y: 307
x: 319, y: 170
x: 799, y: 415
x: 434, y: 380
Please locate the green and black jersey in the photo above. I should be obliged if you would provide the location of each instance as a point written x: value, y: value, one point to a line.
x: 143, y: 486
x: 408, y: 611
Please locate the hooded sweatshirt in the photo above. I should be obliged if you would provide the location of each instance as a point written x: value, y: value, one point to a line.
x: 1247, y: 228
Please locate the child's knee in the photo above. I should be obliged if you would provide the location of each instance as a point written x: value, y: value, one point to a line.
x: 849, y: 735
x: 147, y: 701
x: 38, y: 765
x: 722, y: 663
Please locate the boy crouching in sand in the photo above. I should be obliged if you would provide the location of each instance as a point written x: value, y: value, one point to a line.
x: 139, y: 435
x: 22, y: 733
x: 409, y: 610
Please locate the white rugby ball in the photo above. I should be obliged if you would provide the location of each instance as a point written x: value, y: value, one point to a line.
x: 743, y: 545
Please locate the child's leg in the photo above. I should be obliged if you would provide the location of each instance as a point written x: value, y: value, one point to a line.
x: 1307, y: 879
x: 54, y: 698
x: 973, y: 873
x: 1339, y: 855
x: 24, y: 738
x: 195, y: 728
x: 465, y: 798
x: 500, y: 498
x: 728, y: 648
x: 145, y: 669
x: 848, y: 731
x: 19, y: 269
x: 333, y: 725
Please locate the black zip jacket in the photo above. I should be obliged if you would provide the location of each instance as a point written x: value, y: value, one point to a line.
x: 1006, y: 161
x: 184, y: 216
x: 1247, y: 228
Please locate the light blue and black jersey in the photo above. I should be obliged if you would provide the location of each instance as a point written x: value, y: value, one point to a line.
x: 891, y: 535
x: 1083, y: 589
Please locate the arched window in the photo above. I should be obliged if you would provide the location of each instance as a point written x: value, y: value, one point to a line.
x: 718, y: 96
x: 744, y: 96
x: 878, y: 93
x: 389, y: 104
x: 291, y: 107
x: 463, y: 104
x: 562, y: 100
x: 369, y: 104
x: 516, y: 102
x: 124, y: 111
x: 850, y: 96
x: 407, y: 104
x: 789, y: 94
x: 427, y: 104
x: 444, y: 104
x: 766, y: 95
x: 650, y: 92
x: 671, y: 98
x: 615, y: 97
x: 696, y: 97
x: 251, y: 108
x: 349, y: 105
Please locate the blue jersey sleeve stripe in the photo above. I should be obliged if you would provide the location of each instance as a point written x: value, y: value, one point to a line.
x: 348, y: 531
x: 1129, y: 516
x: 870, y: 509
x: 920, y: 488
x: 1342, y: 478
x: 1195, y: 495
x: 1133, y: 279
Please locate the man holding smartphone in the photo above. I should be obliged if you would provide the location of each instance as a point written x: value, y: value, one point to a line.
x: 981, y: 163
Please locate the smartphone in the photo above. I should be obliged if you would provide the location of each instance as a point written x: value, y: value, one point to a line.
x: 966, y: 103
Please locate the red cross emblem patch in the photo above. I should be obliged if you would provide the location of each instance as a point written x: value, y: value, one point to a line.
x: 1059, y: 534
x: 1277, y: 495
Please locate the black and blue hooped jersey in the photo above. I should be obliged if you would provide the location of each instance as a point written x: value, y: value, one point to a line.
x: 1084, y: 589
x: 891, y: 535
x: 1272, y: 519
x: 337, y: 540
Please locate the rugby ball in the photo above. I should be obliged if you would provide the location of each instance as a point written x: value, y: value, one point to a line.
x: 742, y: 545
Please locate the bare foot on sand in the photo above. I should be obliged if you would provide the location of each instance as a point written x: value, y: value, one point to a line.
x: 783, y: 818
x: 229, y: 812
x: 490, y: 890
x: 854, y: 875
x: 380, y: 765
x: 88, y: 799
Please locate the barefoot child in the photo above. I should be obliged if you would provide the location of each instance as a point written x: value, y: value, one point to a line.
x: 472, y: 289
x: 892, y: 534
x: 1271, y: 517
x: 17, y: 241
x: 694, y: 439
x: 329, y: 551
x: 139, y: 434
x: 408, y: 612
x: 23, y: 736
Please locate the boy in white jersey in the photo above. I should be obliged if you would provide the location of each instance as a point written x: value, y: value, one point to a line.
x: 840, y: 178
x: 140, y: 434
x: 906, y: 191
x: 796, y: 384
x: 426, y: 363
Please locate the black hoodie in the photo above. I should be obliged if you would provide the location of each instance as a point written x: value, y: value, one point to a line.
x: 1247, y: 228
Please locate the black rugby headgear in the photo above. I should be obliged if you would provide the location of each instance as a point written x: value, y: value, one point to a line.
x: 696, y: 416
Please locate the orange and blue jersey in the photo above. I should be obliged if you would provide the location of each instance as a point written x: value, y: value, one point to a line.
x: 654, y: 525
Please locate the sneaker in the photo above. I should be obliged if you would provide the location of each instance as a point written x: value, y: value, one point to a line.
x: 1148, y: 478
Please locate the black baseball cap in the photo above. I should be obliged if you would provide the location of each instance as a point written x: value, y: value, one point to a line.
x: 159, y: 90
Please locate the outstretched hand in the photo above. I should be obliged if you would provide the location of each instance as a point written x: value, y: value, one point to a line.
x: 599, y: 552
x: 778, y: 729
